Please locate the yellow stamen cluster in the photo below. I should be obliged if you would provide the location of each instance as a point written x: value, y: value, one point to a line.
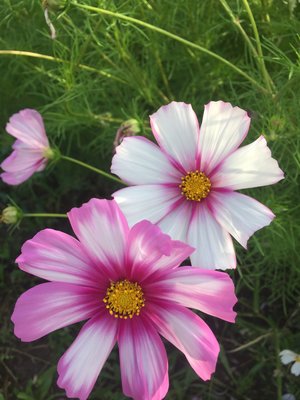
x: 195, y: 186
x: 124, y: 299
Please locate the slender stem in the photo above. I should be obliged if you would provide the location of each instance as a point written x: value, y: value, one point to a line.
x: 170, y: 35
x: 88, y: 166
x: 44, y: 215
x: 278, y: 364
x: 236, y: 22
x: 59, y: 60
x: 266, y: 76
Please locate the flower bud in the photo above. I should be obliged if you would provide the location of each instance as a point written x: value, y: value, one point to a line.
x: 131, y: 127
x: 54, y: 5
x: 10, y: 215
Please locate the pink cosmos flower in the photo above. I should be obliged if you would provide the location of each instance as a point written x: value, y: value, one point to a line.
x: 187, y: 184
x: 128, y: 285
x: 31, y: 149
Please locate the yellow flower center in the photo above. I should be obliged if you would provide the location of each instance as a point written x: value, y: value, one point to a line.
x: 297, y: 358
x: 124, y: 299
x: 195, y: 186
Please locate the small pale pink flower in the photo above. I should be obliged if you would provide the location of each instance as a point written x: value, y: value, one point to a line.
x: 127, y: 284
x: 31, y: 150
x: 187, y: 184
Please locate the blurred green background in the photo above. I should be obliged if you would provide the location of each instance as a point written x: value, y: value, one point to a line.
x: 104, y: 70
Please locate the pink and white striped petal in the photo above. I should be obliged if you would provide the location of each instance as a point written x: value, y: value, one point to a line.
x: 150, y: 202
x: 214, y: 247
x: 190, y: 334
x: 146, y: 245
x: 240, y: 215
x: 247, y: 167
x: 50, y: 306
x: 28, y: 126
x: 176, y: 223
x: 211, y: 292
x: 82, y: 363
x: 222, y: 131
x: 140, y: 162
x: 176, y: 129
x: 143, y: 360
x: 56, y: 256
x: 102, y: 229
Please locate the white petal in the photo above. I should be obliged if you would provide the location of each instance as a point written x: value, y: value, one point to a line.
x: 240, y: 215
x: 150, y: 202
x: 140, y: 162
x: 249, y: 166
x: 176, y: 129
x: 296, y: 368
x: 214, y: 248
x: 287, y: 356
x: 222, y: 131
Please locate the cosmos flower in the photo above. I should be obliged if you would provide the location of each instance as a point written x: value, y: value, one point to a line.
x: 187, y: 184
x: 127, y: 284
x: 288, y: 356
x: 31, y: 150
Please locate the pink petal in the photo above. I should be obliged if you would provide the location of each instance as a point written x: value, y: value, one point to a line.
x: 102, y: 229
x: 222, y: 131
x: 147, y: 244
x: 143, y: 360
x: 150, y: 202
x: 240, y: 215
x: 19, y: 160
x: 28, y: 126
x: 81, y: 364
x: 214, y: 248
x: 21, y: 165
x: 140, y: 162
x: 56, y: 256
x: 176, y: 223
x: 190, y: 334
x: 176, y: 129
x: 15, y: 178
x: 211, y: 292
x: 249, y: 166
x: 50, y: 306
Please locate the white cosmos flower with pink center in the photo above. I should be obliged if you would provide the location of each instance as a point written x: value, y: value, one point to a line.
x: 127, y: 284
x: 31, y: 150
x: 187, y: 184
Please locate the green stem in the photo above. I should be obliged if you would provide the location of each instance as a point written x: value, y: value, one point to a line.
x: 88, y: 166
x: 265, y: 74
x: 59, y: 60
x: 43, y: 215
x: 278, y: 364
x: 170, y: 35
x: 236, y: 22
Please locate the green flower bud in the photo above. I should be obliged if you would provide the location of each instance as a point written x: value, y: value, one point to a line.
x: 10, y: 215
x: 132, y: 126
x: 54, y: 5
